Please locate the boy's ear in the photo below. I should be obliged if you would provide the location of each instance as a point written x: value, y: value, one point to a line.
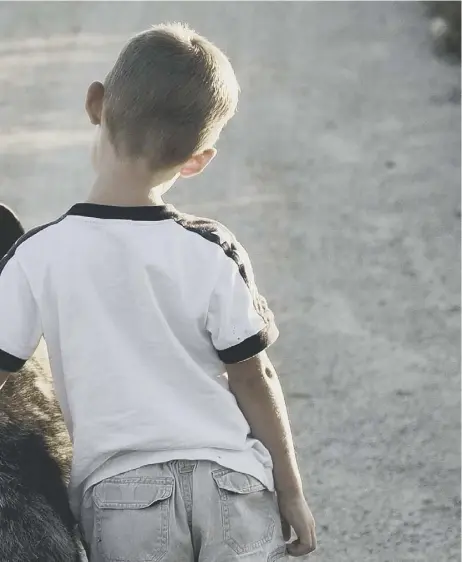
x: 197, y: 163
x: 94, y: 102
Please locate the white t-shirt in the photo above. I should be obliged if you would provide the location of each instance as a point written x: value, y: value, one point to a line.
x: 141, y: 308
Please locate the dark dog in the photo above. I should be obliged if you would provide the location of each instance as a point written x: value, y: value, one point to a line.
x: 10, y: 229
x: 36, y: 523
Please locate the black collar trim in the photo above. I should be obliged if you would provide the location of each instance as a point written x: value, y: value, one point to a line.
x: 146, y: 213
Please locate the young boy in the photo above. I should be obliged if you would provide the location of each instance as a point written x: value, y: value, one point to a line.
x: 156, y: 331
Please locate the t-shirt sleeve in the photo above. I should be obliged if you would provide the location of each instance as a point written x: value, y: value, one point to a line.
x: 20, y: 326
x: 239, y: 321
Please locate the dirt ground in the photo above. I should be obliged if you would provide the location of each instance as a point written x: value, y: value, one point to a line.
x: 341, y: 176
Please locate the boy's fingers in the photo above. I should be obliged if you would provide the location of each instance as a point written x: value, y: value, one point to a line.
x: 314, y: 539
x: 286, y: 529
x: 298, y: 548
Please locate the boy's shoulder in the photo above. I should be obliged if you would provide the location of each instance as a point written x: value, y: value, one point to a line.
x: 216, y: 233
x: 208, y: 228
x: 30, y: 241
x: 220, y: 236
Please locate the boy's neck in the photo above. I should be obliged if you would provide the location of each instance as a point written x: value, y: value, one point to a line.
x: 128, y: 193
x: 124, y: 199
x: 125, y: 182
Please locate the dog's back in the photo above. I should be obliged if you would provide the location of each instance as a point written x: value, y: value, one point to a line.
x: 35, y: 519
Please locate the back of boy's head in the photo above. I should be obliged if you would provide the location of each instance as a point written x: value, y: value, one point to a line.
x: 168, y: 96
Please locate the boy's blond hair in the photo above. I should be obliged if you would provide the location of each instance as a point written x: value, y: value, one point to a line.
x: 168, y: 96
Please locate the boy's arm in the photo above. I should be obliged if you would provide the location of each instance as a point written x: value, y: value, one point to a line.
x: 20, y: 323
x: 257, y: 389
x: 256, y: 386
x: 242, y: 327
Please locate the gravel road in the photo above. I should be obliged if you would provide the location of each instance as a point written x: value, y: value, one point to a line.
x: 341, y: 176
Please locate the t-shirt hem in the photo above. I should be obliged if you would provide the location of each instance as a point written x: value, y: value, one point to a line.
x: 240, y: 461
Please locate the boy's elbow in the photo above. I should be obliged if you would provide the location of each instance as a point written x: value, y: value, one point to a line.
x: 253, y: 371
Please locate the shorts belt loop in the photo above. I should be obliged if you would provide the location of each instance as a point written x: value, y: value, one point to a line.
x: 187, y: 466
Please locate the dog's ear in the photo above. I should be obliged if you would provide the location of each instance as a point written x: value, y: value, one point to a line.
x: 10, y: 229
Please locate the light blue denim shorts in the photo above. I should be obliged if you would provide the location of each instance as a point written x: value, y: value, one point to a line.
x: 182, y: 511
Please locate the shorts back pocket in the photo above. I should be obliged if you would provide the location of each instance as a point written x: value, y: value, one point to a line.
x: 247, y: 510
x: 132, y: 518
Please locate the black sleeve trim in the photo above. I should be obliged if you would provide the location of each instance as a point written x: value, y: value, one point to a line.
x: 250, y: 347
x: 10, y: 363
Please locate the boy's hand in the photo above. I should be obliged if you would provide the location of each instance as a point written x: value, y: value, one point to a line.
x: 296, y: 515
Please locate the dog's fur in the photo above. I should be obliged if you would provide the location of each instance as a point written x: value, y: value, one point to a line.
x: 10, y: 229
x: 36, y: 523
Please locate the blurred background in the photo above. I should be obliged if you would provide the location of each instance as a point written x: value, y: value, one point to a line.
x: 341, y: 176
